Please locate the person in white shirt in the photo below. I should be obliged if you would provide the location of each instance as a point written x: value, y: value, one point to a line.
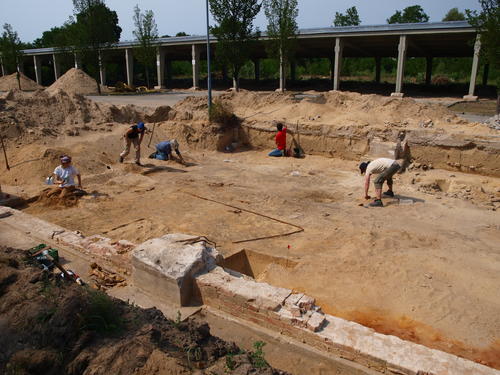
x: 384, y: 168
x: 64, y: 176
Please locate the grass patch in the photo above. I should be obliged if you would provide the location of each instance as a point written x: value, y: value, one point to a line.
x: 103, y: 315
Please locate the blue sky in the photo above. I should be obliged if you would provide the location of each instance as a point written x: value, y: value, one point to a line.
x: 30, y: 18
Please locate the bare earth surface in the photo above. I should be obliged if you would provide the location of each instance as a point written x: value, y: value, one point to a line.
x: 427, y: 271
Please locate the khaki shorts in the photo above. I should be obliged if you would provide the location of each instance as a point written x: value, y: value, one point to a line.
x: 386, y: 176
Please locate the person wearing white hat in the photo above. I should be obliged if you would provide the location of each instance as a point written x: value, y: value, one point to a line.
x: 164, y: 150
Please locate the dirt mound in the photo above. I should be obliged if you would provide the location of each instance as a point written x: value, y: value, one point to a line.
x: 336, y: 109
x: 10, y: 83
x: 54, y: 198
x: 55, y: 327
x: 44, y: 114
x: 75, y: 81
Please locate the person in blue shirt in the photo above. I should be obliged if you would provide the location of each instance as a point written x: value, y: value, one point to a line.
x: 164, y: 150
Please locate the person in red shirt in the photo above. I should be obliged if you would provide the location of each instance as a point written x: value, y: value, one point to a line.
x: 280, y: 141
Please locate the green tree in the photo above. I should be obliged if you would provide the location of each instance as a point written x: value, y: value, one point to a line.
x: 181, y: 33
x: 282, y: 32
x: 10, y: 48
x: 146, y: 33
x: 350, y: 18
x: 234, y: 32
x: 412, y: 14
x: 454, y: 15
x: 96, y: 29
x: 487, y: 23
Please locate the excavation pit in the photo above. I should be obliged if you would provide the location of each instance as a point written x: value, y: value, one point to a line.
x: 255, y: 264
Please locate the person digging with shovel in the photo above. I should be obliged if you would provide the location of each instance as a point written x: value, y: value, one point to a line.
x: 384, y: 168
x: 133, y: 135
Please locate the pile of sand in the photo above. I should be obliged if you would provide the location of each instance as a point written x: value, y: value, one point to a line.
x: 75, y: 81
x: 41, y: 113
x: 10, y: 83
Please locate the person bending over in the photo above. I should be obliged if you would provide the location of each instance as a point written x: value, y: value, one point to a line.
x: 133, y: 135
x: 164, y: 150
x: 384, y: 169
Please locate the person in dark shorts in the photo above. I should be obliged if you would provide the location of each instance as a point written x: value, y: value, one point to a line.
x: 133, y: 135
x: 384, y: 169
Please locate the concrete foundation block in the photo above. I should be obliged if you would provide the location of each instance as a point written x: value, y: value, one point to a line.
x: 262, y: 296
x: 165, y: 268
x: 470, y: 98
x: 397, y: 95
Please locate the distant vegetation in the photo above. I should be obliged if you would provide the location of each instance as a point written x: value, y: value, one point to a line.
x: 236, y: 32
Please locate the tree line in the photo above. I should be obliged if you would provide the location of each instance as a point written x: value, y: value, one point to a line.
x: 94, y: 27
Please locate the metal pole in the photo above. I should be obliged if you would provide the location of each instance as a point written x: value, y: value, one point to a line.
x: 209, y: 78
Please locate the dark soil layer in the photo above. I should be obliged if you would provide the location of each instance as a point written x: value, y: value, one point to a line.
x: 49, y: 326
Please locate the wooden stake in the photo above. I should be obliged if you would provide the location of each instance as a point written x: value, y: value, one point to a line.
x: 5, y: 154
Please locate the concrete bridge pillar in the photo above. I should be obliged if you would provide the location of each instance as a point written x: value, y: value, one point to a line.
x: 378, y: 66
x: 78, y: 61
x: 337, y: 65
x: 102, y: 69
x: 195, y: 54
x: 256, y: 67
x: 129, y: 66
x: 160, y: 67
x: 57, y: 66
x: 38, y: 68
x: 428, y: 70
x: 2, y: 68
x: 475, y: 66
x: 401, y: 66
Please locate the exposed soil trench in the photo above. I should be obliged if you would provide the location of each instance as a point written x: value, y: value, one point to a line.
x: 427, y: 272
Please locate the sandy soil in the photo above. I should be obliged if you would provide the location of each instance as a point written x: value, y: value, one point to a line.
x: 427, y: 271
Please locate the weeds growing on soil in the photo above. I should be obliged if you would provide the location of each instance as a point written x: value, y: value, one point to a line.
x: 221, y: 114
x: 103, y: 315
x: 257, y: 357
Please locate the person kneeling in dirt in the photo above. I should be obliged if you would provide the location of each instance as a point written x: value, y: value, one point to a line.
x: 384, y: 168
x: 280, y: 141
x: 164, y: 150
x: 64, y: 175
x: 134, y: 135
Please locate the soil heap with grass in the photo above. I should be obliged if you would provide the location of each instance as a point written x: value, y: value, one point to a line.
x: 50, y: 326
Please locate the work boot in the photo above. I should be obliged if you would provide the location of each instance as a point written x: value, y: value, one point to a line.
x: 376, y: 203
x: 389, y: 193
x: 121, y: 159
x: 138, y: 163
